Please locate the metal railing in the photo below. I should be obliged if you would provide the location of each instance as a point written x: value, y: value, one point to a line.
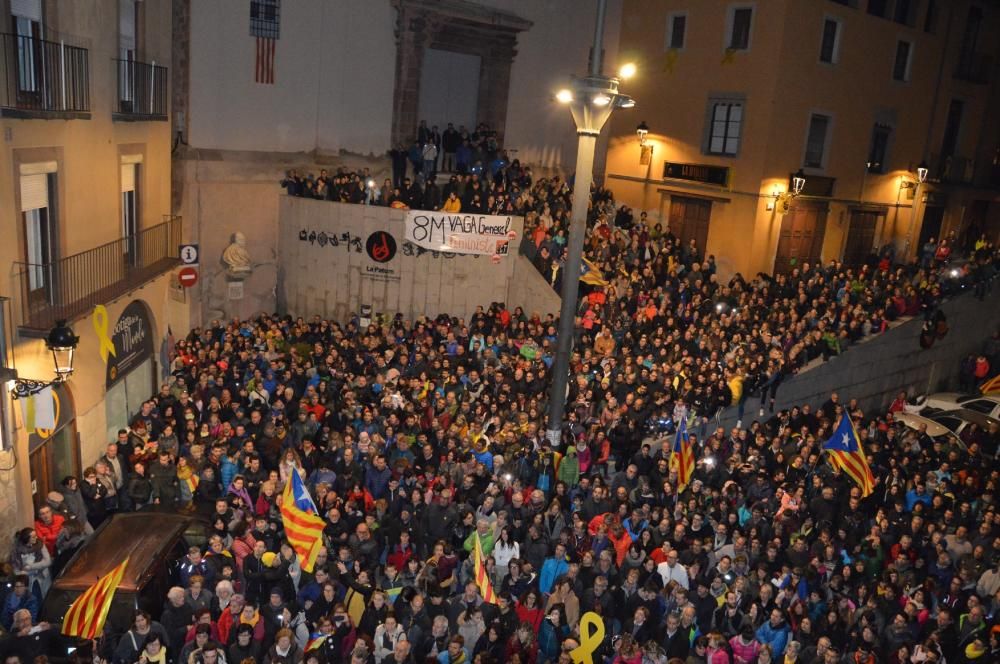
x: 71, y: 286
x: 142, y: 90
x: 40, y: 75
x: 953, y: 169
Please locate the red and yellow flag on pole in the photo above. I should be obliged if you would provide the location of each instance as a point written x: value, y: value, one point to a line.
x: 85, y: 617
x: 482, y: 577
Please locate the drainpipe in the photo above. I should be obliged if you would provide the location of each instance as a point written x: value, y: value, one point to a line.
x: 937, y: 83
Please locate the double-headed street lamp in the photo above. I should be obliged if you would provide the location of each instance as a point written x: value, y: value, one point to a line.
x: 591, y: 100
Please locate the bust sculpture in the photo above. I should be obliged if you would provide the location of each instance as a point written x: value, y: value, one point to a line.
x: 236, y: 257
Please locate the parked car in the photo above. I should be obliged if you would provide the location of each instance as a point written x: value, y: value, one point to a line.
x: 154, y: 545
x: 945, y: 401
x: 947, y: 423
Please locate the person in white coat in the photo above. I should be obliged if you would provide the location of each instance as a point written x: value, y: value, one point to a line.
x: 387, y: 635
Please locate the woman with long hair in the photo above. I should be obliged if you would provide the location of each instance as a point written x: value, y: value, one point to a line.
x: 529, y: 609
x: 522, y: 645
x: 31, y: 558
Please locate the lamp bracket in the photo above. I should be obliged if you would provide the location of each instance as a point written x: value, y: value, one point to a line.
x: 26, y: 387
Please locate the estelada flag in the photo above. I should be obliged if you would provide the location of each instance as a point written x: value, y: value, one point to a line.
x: 303, y: 524
x: 590, y: 274
x: 845, y: 452
x: 85, y: 617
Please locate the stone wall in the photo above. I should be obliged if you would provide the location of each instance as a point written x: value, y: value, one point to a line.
x: 874, y: 372
x: 334, y: 277
x: 530, y: 291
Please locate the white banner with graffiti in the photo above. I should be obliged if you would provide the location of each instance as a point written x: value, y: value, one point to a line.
x: 483, y: 234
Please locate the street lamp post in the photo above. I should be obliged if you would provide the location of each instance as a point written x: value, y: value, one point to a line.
x: 591, y: 100
x: 922, y: 171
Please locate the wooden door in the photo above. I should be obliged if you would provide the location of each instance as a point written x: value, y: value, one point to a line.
x: 689, y: 219
x: 931, y: 225
x: 801, y: 238
x: 861, y: 236
x: 54, y: 460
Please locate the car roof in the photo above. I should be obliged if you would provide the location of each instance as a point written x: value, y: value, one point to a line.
x: 968, y: 415
x: 141, y: 536
x: 933, y: 428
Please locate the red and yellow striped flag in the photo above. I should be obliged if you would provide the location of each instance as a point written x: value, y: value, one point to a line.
x: 85, y: 617
x: 482, y: 577
x: 303, y: 525
x: 991, y: 387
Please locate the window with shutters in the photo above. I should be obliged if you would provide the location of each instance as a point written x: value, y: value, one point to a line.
x: 130, y: 207
x: 816, y: 141
x: 265, y: 18
x: 902, y: 12
x: 879, y: 148
x: 676, y: 30
x: 878, y: 7
x: 26, y: 17
x: 829, y: 47
x: 901, y: 65
x: 37, y: 189
x: 725, y: 126
x: 739, y: 28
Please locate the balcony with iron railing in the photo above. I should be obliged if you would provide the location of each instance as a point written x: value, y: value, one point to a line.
x: 43, y: 79
x: 952, y: 169
x: 141, y: 93
x: 71, y: 286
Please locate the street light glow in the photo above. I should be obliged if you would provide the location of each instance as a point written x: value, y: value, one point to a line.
x: 564, y: 96
x: 601, y: 100
x: 627, y: 71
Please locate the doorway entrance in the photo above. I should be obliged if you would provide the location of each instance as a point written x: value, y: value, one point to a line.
x: 931, y: 225
x: 801, y: 239
x: 54, y: 453
x: 689, y: 219
x: 449, y: 89
x: 861, y: 236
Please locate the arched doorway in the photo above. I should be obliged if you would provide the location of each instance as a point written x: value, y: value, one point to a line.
x: 54, y: 454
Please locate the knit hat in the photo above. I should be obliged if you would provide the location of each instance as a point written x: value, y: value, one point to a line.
x: 975, y: 650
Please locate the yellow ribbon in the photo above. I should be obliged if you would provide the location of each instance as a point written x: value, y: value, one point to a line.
x: 29, y: 416
x: 100, y: 320
x: 730, y: 56
x: 670, y: 61
x: 591, y: 637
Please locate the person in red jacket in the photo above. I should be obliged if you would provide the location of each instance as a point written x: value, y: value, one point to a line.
x: 47, y: 527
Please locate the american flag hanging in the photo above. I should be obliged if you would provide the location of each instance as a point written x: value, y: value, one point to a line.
x: 265, y: 60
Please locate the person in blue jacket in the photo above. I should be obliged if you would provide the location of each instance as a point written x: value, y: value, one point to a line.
x: 774, y: 633
x: 552, y: 632
x: 19, y: 598
x: 552, y: 569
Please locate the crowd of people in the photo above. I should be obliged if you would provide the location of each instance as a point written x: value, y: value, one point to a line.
x: 650, y: 285
x: 419, y: 438
x: 416, y: 437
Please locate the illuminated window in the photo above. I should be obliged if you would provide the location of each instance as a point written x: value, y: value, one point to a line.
x: 725, y: 127
x: 265, y: 18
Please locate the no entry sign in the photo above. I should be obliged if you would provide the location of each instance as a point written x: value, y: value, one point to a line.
x: 188, y: 277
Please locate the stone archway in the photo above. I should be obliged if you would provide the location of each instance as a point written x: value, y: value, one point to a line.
x: 463, y: 27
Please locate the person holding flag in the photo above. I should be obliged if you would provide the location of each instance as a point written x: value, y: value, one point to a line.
x: 845, y: 452
x: 86, y: 615
x: 480, y: 574
x: 302, y: 522
x: 684, y: 453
